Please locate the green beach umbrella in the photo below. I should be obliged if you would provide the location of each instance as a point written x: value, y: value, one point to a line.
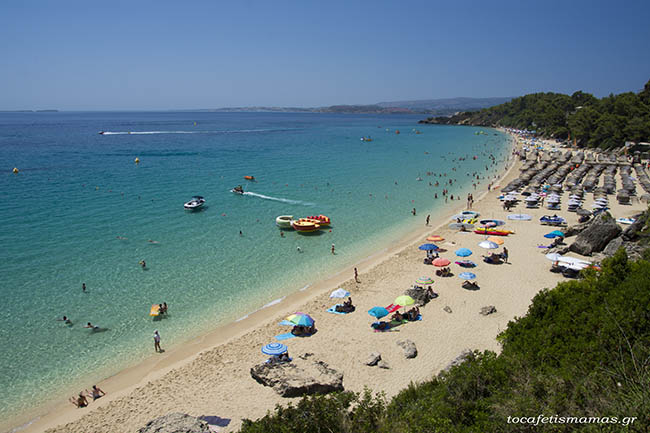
x: 404, y: 300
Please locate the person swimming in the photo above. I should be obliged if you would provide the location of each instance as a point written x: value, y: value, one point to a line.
x: 92, y: 327
x: 65, y: 320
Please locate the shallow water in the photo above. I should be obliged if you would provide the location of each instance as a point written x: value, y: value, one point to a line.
x: 78, y: 191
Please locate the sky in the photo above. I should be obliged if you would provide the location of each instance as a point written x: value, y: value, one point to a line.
x: 160, y: 55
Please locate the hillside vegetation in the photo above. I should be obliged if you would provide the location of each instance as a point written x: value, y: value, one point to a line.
x: 582, y: 350
x: 592, y: 122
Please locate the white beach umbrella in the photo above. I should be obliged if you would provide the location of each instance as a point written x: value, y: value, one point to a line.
x: 574, y: 261
x: 488, y: 245
x: 340, y: 293
x: 554, y: 257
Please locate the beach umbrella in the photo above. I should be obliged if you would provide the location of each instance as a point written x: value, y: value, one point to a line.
x: 378, y: 312
x: 435, y: 238
x: 340, y: 293
x: 488, y: 245
x: 520, y: 217
x: 467, y: 275
x: 274, y: 349
x: 463, y: 252
x: 497, y: 240
x: 404, y: 300
x: 424, y: 280
x: 574, y: 261
x: 301, y: 319
x: 554, y: 234
x: 466, y: 263
x: 554, y: 257
x: 429, y: 247
x: 440, y: 262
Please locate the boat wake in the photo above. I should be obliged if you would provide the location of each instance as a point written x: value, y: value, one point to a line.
x: 283, y: 200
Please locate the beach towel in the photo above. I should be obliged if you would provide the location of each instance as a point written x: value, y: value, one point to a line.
x: 284, y: 336
x: 392, y: 308
x: 333, y: 310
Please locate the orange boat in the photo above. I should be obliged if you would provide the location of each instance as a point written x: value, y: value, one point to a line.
x: 305, y: 225
x: 322, y: 219
x: 249, y: 177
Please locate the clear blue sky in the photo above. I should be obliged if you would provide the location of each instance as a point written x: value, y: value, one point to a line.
x: 140, y: 54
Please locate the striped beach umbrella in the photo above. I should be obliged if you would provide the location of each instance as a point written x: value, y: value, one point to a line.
x: 301, y: 319
x: 467, y: 275
x: 424, y: 280
x: 274, y: 349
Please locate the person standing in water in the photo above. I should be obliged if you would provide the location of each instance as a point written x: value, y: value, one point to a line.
x: 333, y: 249
x: 156, y: 341
x: 83, y: 287
x: 428, y: 218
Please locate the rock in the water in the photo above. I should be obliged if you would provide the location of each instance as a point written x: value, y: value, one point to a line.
x: 459, y: 359
x: 613, y: 246
x: 488, y: 310
x: 410, y: 351
x: 594, y: 238
x: 293, y: 379
x: 373, y: 359
x: 419, y: 294
x: 383, y: 364
x: 447, y: 309
x: 176, y: 423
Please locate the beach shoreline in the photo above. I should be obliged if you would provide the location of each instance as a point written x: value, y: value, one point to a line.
x: 154, y: 367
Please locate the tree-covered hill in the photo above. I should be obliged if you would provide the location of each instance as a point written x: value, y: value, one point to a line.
x: 592, y: 122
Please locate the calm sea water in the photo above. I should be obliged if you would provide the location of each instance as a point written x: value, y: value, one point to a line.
x: 78, y: 191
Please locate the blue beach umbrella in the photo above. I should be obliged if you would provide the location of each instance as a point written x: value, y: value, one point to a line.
x: 378, y: 312
x: 554, y: 234
x: 429, y: 247
x: 463, y: 252
x: 274, y: 349
x: 467, y: 275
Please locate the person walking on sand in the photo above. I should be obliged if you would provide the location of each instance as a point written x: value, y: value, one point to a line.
x: 356, y: 275
x: 156, y: 341
x: 428, y: 219
x: 505, y: 254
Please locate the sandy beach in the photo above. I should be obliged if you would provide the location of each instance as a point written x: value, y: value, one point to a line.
x: 210, y: 375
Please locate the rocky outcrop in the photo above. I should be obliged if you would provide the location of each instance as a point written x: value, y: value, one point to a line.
x: 631, y: 232
x: 301, y: 377
x: 490, y: 309
x: 373, y: 359
x: 458, y: 360
x: 576, y: 229
x: 613, y: 246
x: 176, y: 423
x: 410, y: 351
x: 383, y: 364
x: 595, y: 238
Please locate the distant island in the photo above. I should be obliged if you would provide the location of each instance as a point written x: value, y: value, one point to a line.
x: 29, y: 111
x: 438, y: 107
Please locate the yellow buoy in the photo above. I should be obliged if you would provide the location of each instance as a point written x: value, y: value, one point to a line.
x: 137, y: 160
x: 15, y: 170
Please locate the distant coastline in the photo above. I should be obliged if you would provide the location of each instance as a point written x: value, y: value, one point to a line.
x: 29, y: 111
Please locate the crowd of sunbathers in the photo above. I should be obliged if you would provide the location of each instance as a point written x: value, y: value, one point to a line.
x: 81, y: 400
x: 276, y: 359
x: 444, y: 272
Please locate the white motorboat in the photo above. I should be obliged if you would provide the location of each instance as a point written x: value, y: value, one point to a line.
x: 195, y: 203
x: 284, y: 221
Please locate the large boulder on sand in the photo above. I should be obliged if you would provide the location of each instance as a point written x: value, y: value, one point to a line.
x: 176, y: 423
x: 300, y: 377
x: 595, y: 238
x: 410, y: 351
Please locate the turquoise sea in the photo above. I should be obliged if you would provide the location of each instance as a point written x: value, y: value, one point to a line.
x: 78, y: 191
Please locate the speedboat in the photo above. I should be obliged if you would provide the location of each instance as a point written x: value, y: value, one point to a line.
x: 304, y: 225
x: 195, y: 203
x: 238, y: 190
x: 284, y: 221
